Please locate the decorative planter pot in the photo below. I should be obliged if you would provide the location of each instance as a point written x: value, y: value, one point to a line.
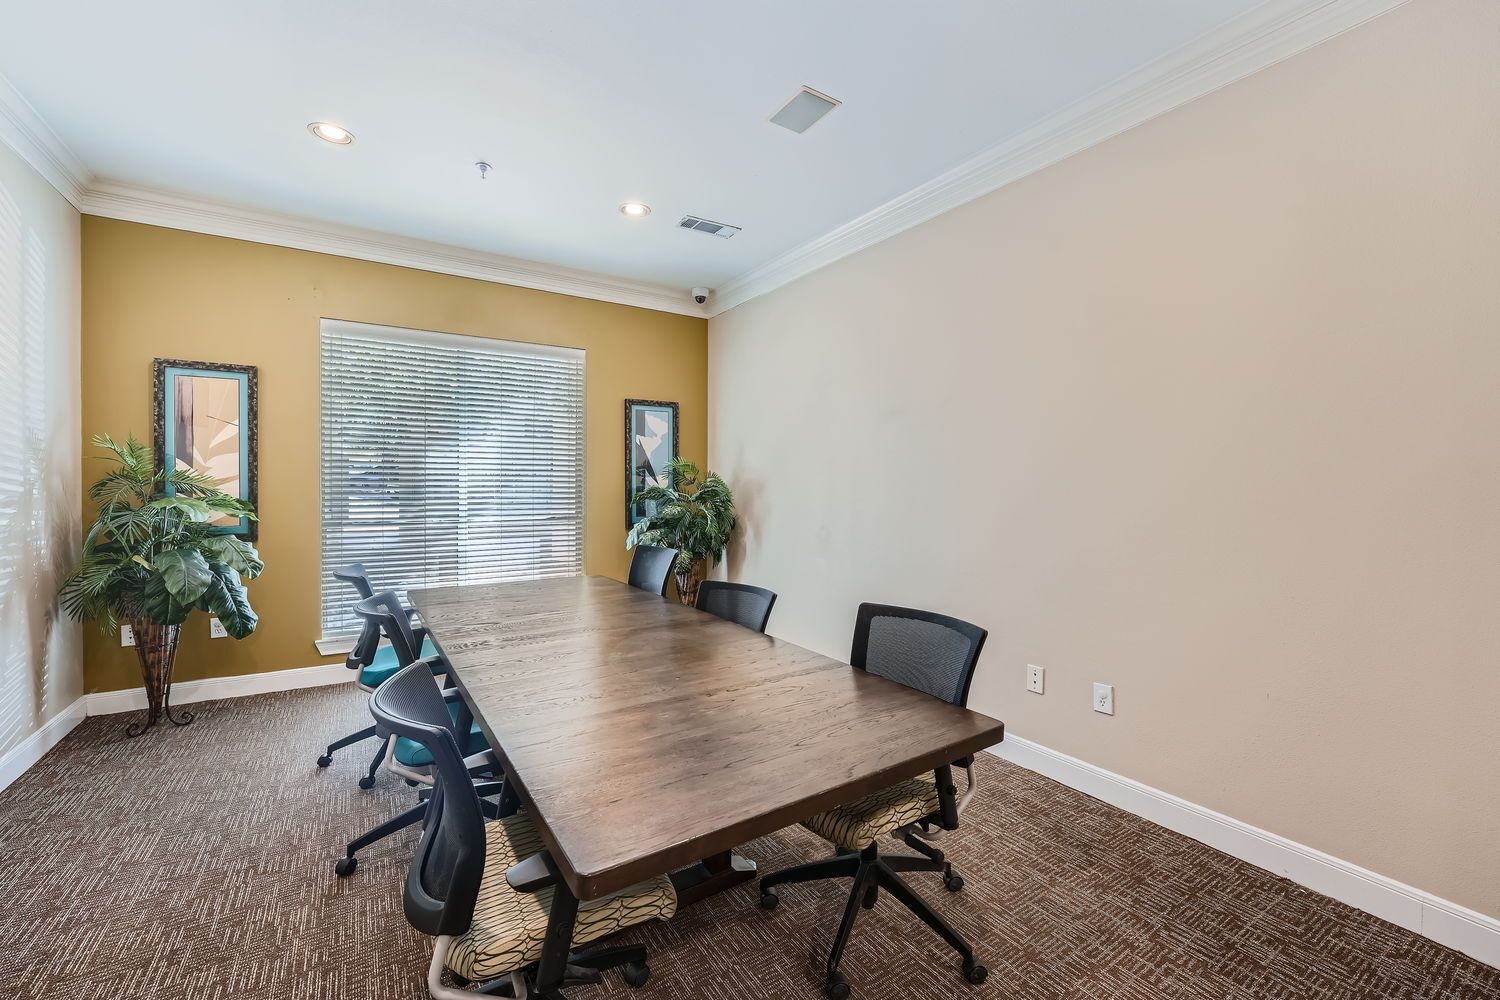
x: 156, y: 648
x: 687, y: 584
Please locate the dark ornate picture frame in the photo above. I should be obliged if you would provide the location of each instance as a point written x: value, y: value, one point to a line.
x: 164, y: 369
x: 633, y: 512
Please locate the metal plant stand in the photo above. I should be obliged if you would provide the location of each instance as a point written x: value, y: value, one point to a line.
x: 156, y: 648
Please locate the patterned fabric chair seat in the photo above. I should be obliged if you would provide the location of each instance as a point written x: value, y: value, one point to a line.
x: 509, y: 926
x: 855, y: 826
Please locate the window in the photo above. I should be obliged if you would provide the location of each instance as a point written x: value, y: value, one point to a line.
x: 447, y: 460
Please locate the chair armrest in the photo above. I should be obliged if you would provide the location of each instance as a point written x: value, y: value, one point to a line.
x: 535, y: 873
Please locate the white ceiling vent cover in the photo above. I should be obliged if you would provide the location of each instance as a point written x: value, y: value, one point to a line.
x: 804, y: 110
x: 718, y: 229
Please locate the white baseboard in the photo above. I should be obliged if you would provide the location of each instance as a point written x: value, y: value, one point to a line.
x: 30, y: 750
x: 1445, y: 922
x: 134, y: 699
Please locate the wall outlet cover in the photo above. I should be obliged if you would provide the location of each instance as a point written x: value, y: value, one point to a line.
x: 1104, y: 698
x: 216, y: 629
x: 127, y: 635
x: 1036, y: 678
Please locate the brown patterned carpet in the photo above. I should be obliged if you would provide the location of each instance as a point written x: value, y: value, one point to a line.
x: 196, y: 863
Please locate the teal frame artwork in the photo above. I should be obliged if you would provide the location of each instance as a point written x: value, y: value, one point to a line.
x: 650, y: 443
x: 205, y: 418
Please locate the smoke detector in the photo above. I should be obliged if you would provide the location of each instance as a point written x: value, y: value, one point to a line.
x: 719, y: 229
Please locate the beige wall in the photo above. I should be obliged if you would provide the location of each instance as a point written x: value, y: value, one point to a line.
x: 1208, y: 412
x: 152, y: 292
x: 40, y: 649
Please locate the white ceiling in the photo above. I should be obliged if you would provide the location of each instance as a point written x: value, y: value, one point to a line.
x: 578, y: 105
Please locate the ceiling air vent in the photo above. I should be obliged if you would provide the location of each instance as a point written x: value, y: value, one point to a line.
x: 718, y: 229
x: 804, y: 110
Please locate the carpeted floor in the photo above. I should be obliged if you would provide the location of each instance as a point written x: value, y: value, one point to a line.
x: 197, y: 863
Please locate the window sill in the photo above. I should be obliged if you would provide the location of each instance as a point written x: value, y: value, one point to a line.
x: 334, y: 647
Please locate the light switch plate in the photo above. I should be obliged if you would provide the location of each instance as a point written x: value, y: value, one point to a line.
x: 1036, y: 678
x: 1104, y: 698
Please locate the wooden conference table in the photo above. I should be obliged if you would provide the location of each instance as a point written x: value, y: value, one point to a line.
x: 647, y: 737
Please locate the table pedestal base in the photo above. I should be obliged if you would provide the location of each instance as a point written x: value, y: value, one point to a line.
x: 711, y: 875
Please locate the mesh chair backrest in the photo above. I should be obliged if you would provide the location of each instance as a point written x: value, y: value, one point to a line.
x: 388, y: 615
x: 932, y: 653
x: 650, y: 567
x: 356, y: 576
x: 737, y: 602
x: 442, y: 882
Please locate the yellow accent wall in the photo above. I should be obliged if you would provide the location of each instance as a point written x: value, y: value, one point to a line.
x: 150, y: 292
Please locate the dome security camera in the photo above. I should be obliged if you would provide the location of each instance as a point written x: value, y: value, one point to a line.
x: 700, y: 295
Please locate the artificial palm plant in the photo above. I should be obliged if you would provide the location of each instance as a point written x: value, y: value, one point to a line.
x: 151, y: 558
x: 694, y: 518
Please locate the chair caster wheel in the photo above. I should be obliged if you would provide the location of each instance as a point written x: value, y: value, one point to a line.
x: 953, y: 883
x: 636, y: 974
x: 769, y: 900
x: 325, y: 760
x: 834, y: 988
x: 367, y: 782
x: 344, y: 867
x: 975, y: 974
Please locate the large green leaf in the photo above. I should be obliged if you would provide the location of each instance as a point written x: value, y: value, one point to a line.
x: 190, y: 507
x: 185, y: 572
x: 236, y: 553
x: 161, y: 606
x: 225, y: 597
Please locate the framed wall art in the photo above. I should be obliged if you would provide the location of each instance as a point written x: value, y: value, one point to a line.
x: 204, y: 418
x: 650, y: 443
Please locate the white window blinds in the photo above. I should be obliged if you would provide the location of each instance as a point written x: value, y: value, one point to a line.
x: 447, y: 460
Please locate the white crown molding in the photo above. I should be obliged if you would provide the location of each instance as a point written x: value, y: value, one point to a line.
x: 1267, y: 35
x: 1449, y: 924
x: 23, y: 130
x: 15, y: 761
x: 159, y: 208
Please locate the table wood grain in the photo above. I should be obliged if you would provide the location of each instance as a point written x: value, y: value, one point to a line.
x: 645, y: 736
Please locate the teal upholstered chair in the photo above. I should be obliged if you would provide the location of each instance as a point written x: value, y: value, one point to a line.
x: 376, y: 665
x: 408, y: 758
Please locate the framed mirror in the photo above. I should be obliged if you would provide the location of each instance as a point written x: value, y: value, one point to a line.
x: 204, y: 418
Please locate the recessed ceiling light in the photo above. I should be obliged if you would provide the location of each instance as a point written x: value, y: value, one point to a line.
x: 635, y: 209
x: 329, y: 132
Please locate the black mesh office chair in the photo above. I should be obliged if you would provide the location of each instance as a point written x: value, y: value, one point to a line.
x: 408, y: 759
x: 650, y: 567
x: 934, y: 654
x: 376, y: 664
x: 505, y: 922
x: 737, y: 602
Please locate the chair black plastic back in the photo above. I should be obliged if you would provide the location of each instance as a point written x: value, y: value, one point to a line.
x: 442, y: 882
x: 650, y: 567
x: 356, y: 576
x: 932, y: 653
x: 386, y: 613
x: 737, y: 602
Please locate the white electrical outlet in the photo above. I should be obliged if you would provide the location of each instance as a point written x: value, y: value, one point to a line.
x: 1104, y: 698
x: 216, y: 629
x: 127, y: 635
x: 1036, y: 678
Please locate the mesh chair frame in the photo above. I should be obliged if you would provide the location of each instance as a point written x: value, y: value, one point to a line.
x: 870, y: 871
x: 361, y: 656
x: 651, y: 567
x: 709, y: 589
x: 448, y: 865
